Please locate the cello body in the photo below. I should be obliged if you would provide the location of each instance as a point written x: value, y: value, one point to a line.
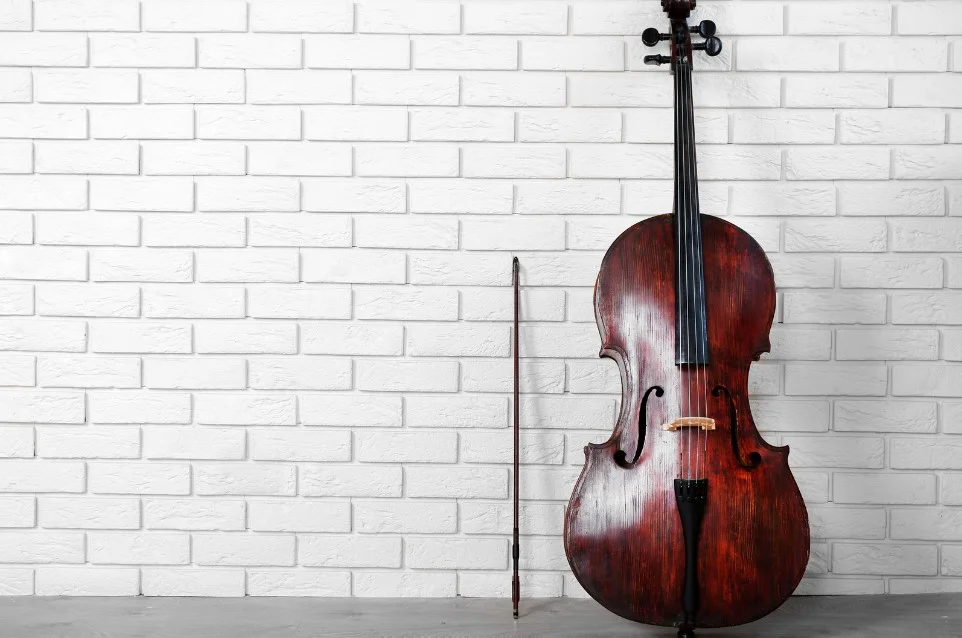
x: 623, y: 534
x: 686, y: 517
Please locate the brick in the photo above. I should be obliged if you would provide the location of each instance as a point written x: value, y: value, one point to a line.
x: 189, y: 302
x: 195, y: 230
x: 891, y: 416
x: 202, y: 86
x: 16, y: 15
x: 925, y: 380
x: 175, y: 194
x: 481, y: 412
x: 84, y: 300
x: 248, y: 123
x: 242, y: 549
x: 165, y: 442
x: 139, y: 478
x: 300, y: 374
x: 536, y: 448
x: 348, y: 551
x: 407, y: 376
x: 496, y: 518
x: 857, y: 18
x: 836, y: 451
x: 354, y: 266
x: 42, y: 407
x: 456, y: 553
x: 302, y: 16
x: 138, y: 548
x: 216, y: 479
x: 459, y: 269
x: 858, y: 308
x: 18, y: 229
x: 359, y: 196
x: 583, y: 125
x: 139, y: 407
x: 245, y: 338
x: 574, y: 54
x: 142, y: 50
x: 267, y: 265
x: 456, y: 482
x: 17, y: 370
x: 43, y: 121
x: 844, y: 90
x: 16, y: 299
x: 20, y: 511
x: 89, y: 513
x: 407, y: 447
x: 245, y: 409
x: 420, y: 160
x: 511, y: 89
x: 799, y: 54
x: 142, y: 122
x: 86, y: 85
x: 298, y: 87
x: 102, y: 229
x: 351, y: 410
x: 88, y: 372
x: 18, y: 442
x: 884, y: 489
x: 87, y: 581
x: 44, y: 49
x: 791, y: 416
x: 457, y: 341
x: 358, y: 52
x: 403, y: 584
x: 408, y: 303
x: 34, y: 262
x: 408, y: 17
x: 350, y: 480
x: 279, y: 516
x: 193, y: 158
x: 194, y: 514
x: 891, y: 272
x: 141, y: 265
x: 248, y: 51
x: 847, y: 522
x: 183, y: 15
x: 300, y: 445
x: 850, y: 558
x: 356, y: 123
x: 44, y: 335
x: 314, y: 302
x: 892, y: 198
x: 405, y: 517
x: 930, y: 18
x: 41, y: 547
x: 299, y: 159
x: 861, y: 345
x: 17, y: 85
x: 547, y: 18
x: 914, y: 308
x: 88, y: 442
x: 925, y: 453
x: 836, y: 379
x: 461, y: 196
x: 421, y: 88
x: 156, y: 581
x: 569, y: 197
x: 299, y: 582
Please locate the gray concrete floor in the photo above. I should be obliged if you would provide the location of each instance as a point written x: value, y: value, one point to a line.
x: 928, y: 616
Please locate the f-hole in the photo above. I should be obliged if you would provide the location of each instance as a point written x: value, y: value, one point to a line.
x: 621, y: 458
x: 754, y: 458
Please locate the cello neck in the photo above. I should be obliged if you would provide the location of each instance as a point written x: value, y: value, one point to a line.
x: 691, y: 343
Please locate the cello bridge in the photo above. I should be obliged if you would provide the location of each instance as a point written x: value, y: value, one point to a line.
x: 690, y: 422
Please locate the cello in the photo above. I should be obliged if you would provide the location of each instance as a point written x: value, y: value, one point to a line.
x: 685, y: 516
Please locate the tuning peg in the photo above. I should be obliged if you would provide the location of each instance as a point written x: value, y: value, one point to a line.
x: 657, y: 60
x: 705, y: 28
x: 651, y: 37
x: 712, y: 46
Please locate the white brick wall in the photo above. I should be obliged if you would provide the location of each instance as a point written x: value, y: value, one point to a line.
x: 255, y: 267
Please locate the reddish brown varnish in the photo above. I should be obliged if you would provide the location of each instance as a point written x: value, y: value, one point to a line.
x: 623, y: 533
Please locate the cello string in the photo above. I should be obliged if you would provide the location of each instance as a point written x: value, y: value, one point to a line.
x: 700, y: 278
x: 698, y: 271
x: 691, y: 308
x: 679, y: 228
x: 686, y: 230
